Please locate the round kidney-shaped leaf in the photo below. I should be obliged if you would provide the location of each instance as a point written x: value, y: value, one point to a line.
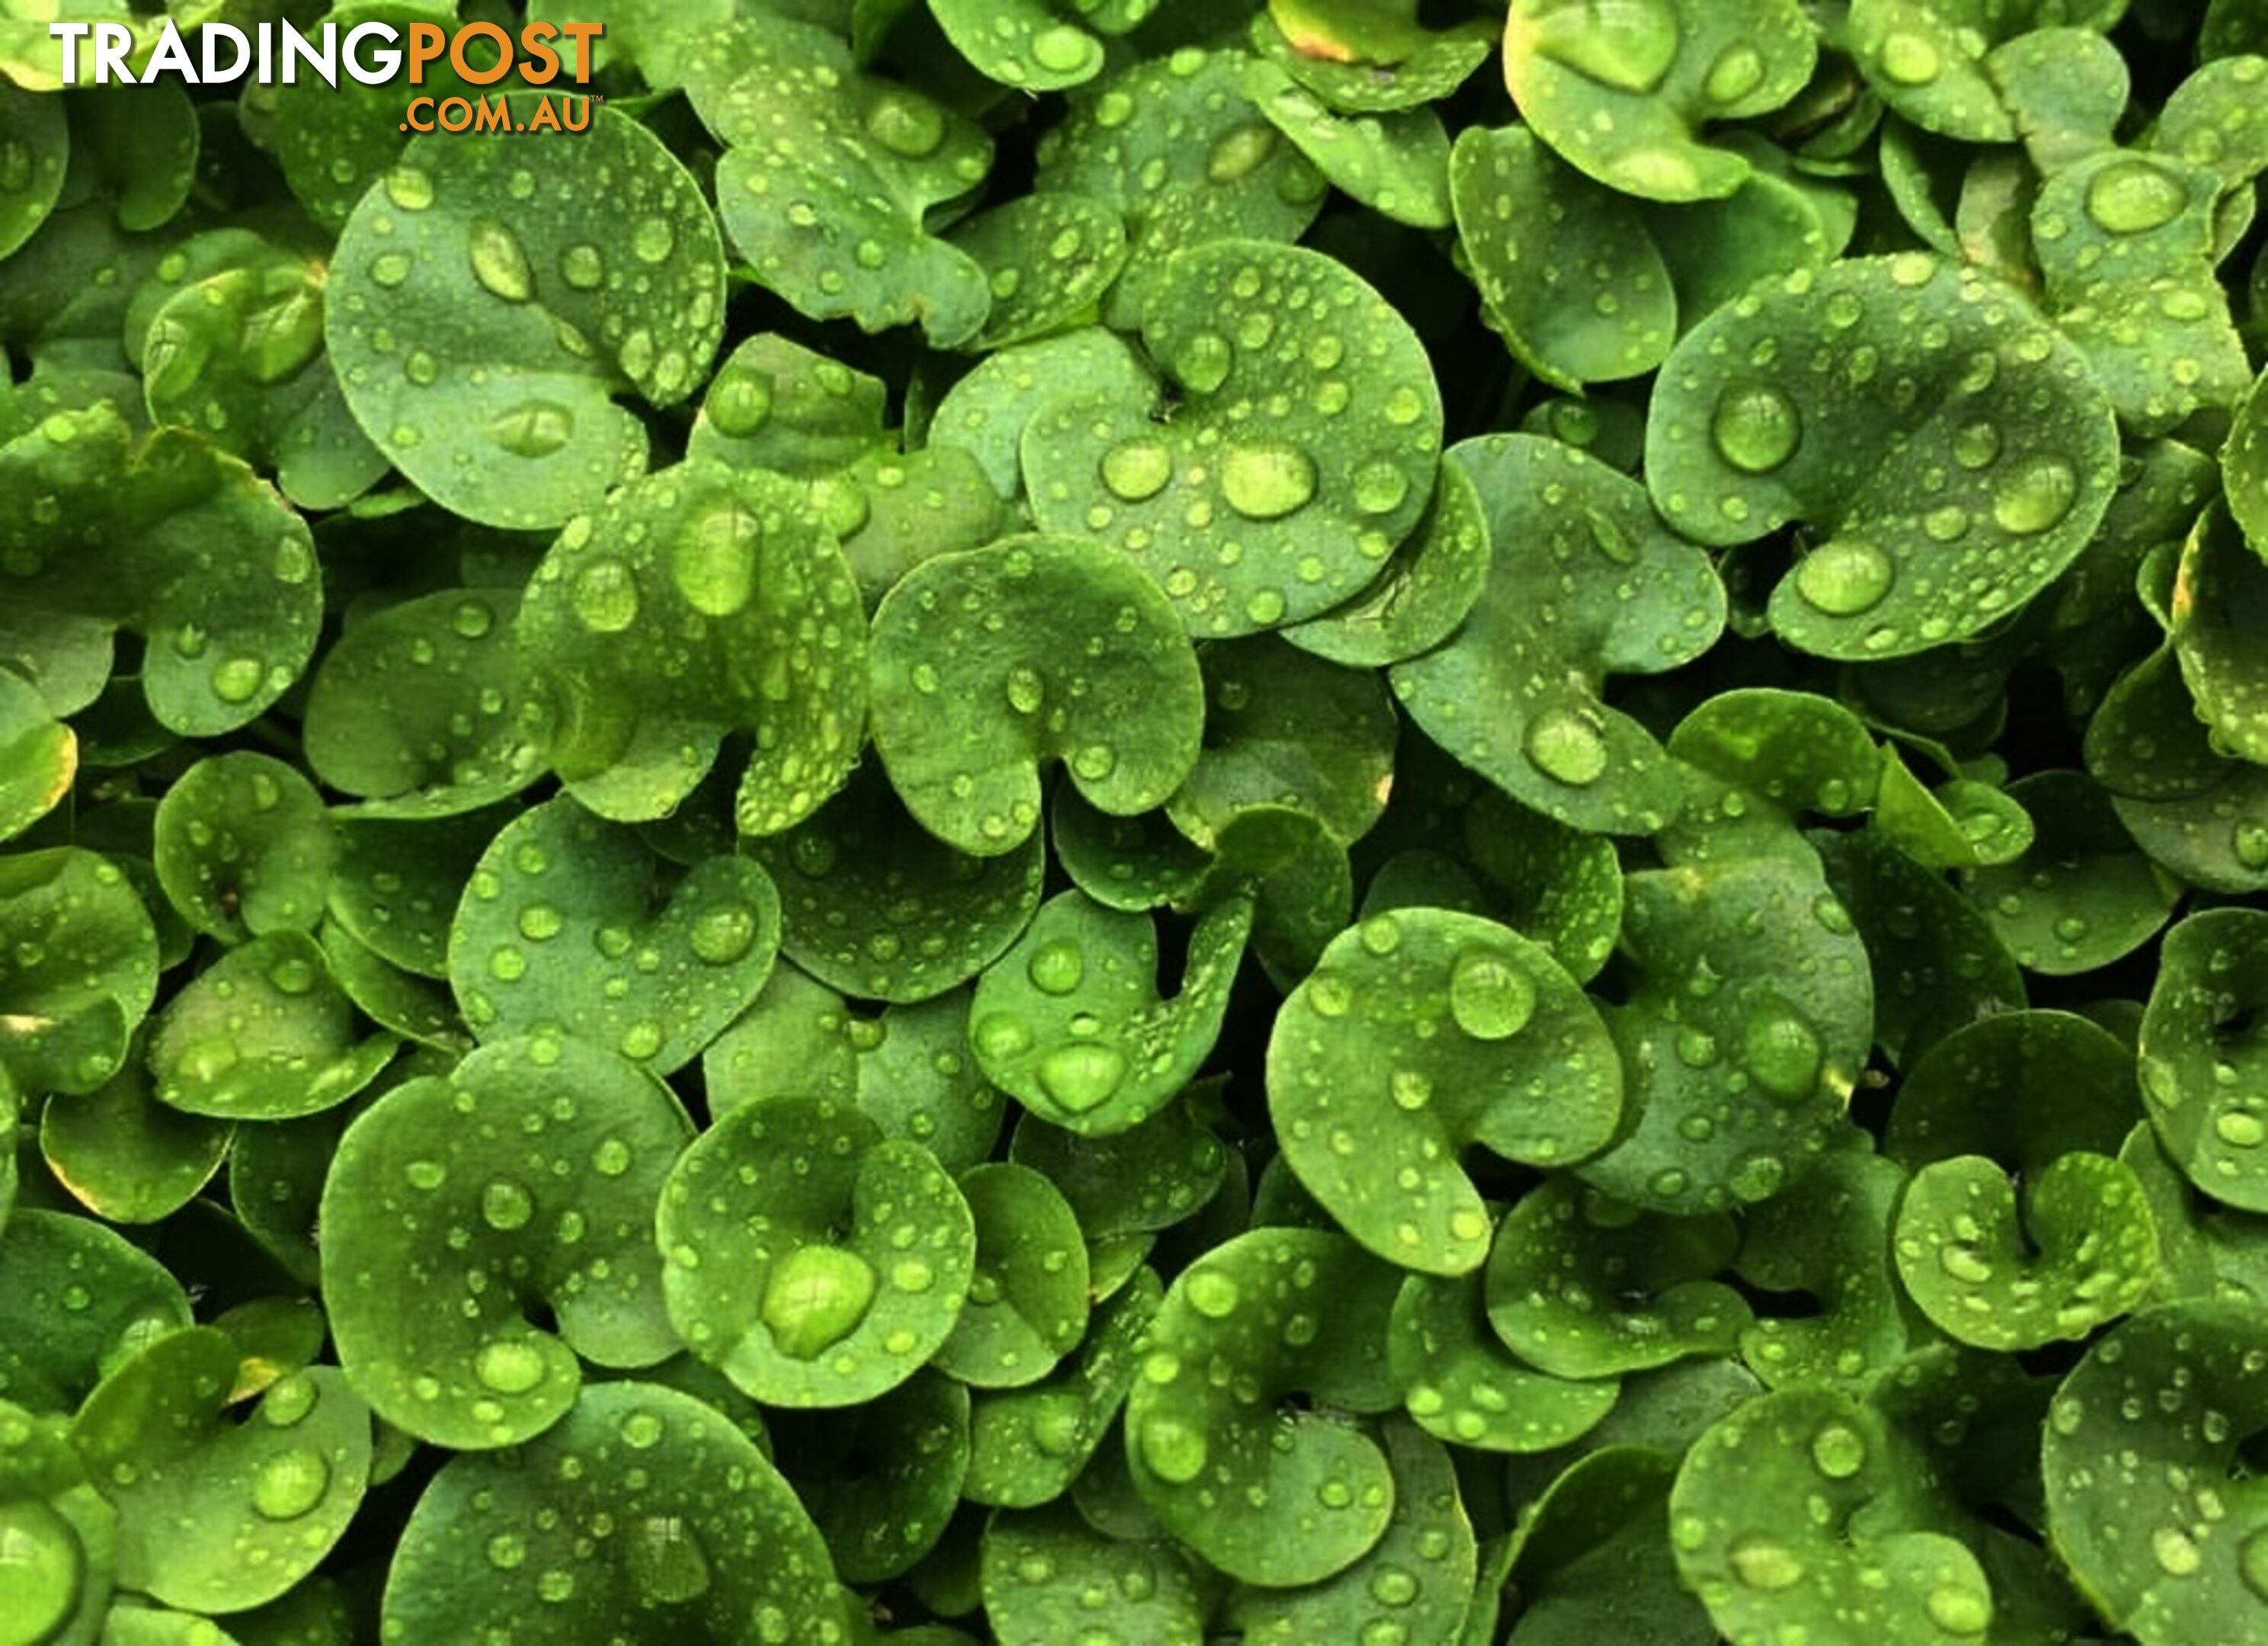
x: 216, y: 1516
x: 644, y: 1517
x: 1069, y: 1021
x: 60, y: 1532
x: 482, y: 314
x: 1803, y: 1510
x: 2083, y: 1250
x: 423, y: 709
x: 1028, y: 1296
x: 38, y: 756
x: 1028, y: 1445
x: 1625, y: 91
x: 1461, y: 1385
x: 79, y: 971
x: 2204, y: 1054
x: 992, y: 663
x: 525, y: 1181
x: 700, y: 601
x: 565, y: 928
x: 1584, y: 582
x: 1303, y: 449
x: 1265, y: 1490
x: 1415, y: 1583
x: 2149, y: 1500
x: 168, y: 537
x: 812, y: 1260
x: 875, y: 905
x: 833, y: 218
x: 1750, y: 1016
x: 1422, y: 1032
x: 264, y: 1033
x: 1049, y: 1577
x: 243, y: 845
x: 1947, y: 451
x: 1582, y: 1286
x: 80, y: 1300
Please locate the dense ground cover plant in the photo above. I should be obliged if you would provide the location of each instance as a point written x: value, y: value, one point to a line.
x: 1122, y: 822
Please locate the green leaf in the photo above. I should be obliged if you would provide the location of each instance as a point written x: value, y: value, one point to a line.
x: 1873, y: 1555
x: 1040, y: 1565
x: 37, y: 147
x: 1827, y: 1241
x: 523, y: 1182
x: 1566, y: 270
x: 1590, y: 1561
x: 62, y: 1533
x: 892, y: 1476
x: 1187, y: 158
x: 1047, y: 260
x: 2162, y: 1536
x: 1028, y: 1296
x: 2221, y: 594
x: 423, y: 710
x: 1420, y: 1034
x: 1282, y: 728
x: 2202, y: 1050
x: 482, y: 320
x: 1303, y: 449
x: 80, y: 1302
x: 38, y: 756
x: 1950, y: 456
x: 1297, y: 1311
x: 263, y: 1033
x: 1516, y: 695
x: 1070, y: 1021
x: 1461, y: 1385
x: 1582, y: 1286
x: 812, y: 1260
x: 1370, y: 56
x: 79, y: 973
x: 569, y: 926
x: 128, y: 1158
x: 1626, y: 92
x: 698, y: 602
x: 705, y: 1537
x: 876, y: 906
x: 396, y: 882
x: 195, y: 554
x: 213, y: 1515
x: 834, y: 218
x: 1417, y: 1578
x: 1740, y: 1073
x: 1028, y: 1445
x: 1397, y: 164
x: 2081, y: 896
x: 968, y: 708
x: 244, y: 847
x: 236, y: 353
x: 1425, y: 592
x: 1145, y: 1178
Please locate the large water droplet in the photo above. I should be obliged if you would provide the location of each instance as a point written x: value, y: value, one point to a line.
x: 652, y: 240
x: 1565, y: 747
x: 1908, y: 59
x: 499, y: 261
x: 906, y: 124
x: 605, y: 596
x: 509, y: 1365
x: 2035, y: 496
x: 723, y: 934
x: 533, y: 428
x: 1755, y: 428
x: 1213, y: 1294
x: 1137, y: 470
x: 1201, y: 363
x: 1175, y: 1451
x: 2134, y: 197
x: 1491, y: 998
x: 1838, y: 1451
x: 1238, y: 152
x: 1962, y: 1611
x: 814, y: 1297
x: 1065, y: 50
x: 1762, y: 1563
x: 1056, y: 967
x: 714, y: 563
x: 506, y: 1205
x: 2178, y: 1556
x: 1738, y: 70
x: 666, y: 1562
x: 287, y: 1484
x: 1783, y: 1055
x: 1844, y: 578
x: 1266, y: 482
x: 1081, y: 1077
